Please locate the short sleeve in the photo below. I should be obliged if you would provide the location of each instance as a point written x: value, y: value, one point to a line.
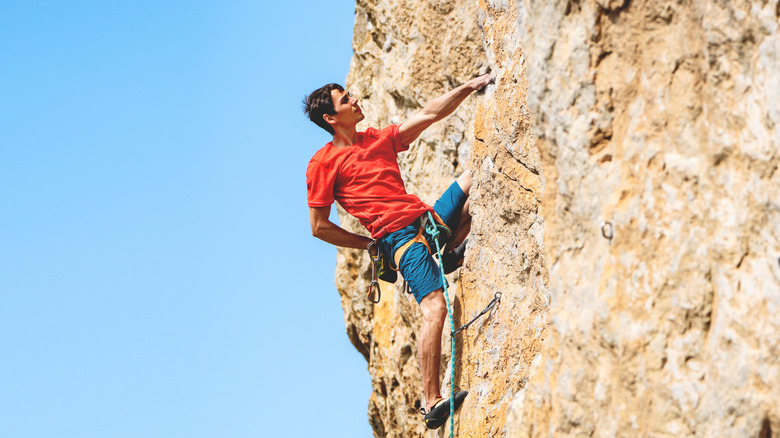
x: 393, y: 133
x: 320, y: 181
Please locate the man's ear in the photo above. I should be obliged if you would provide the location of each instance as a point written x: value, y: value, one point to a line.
x: 329, y: 119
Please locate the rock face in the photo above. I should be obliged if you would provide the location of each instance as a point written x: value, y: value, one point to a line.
x: 660, y: 119
x: 626, y: 204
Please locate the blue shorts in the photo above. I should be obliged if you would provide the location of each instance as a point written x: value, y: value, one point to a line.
x: 418, y: 267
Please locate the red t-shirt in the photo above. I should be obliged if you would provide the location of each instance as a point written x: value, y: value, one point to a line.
x: 365, y: 180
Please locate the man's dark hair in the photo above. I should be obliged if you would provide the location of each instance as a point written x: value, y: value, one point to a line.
x: 320, y: 103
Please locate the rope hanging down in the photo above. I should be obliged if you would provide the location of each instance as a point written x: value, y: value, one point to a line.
x: 432, y: 228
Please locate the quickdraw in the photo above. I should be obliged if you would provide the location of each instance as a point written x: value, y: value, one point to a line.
x: 496, y: 299
x: 374, y: 270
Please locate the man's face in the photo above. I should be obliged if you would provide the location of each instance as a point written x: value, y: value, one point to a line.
x: 348, y: 112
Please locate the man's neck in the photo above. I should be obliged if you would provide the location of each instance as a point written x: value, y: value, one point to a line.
x: 344, y: 136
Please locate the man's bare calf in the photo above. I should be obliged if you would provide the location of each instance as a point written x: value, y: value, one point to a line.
x: 434, y: 310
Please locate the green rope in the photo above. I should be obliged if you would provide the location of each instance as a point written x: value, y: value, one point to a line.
x: 432, y: 228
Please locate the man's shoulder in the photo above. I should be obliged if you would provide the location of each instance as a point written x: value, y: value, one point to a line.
x: 389, y: 129
x: 321, y: 153
x: 328, y: 157
x: 369, y: 131
x: 373, y: 134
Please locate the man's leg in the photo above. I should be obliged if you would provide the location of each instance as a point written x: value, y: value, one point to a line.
x: 464, y: 181
x: 461, y: 230
x: 434, y: 310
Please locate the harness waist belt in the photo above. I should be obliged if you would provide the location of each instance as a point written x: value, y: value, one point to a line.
x: 419, y: 223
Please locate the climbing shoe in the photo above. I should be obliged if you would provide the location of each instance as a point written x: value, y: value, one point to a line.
x: 454, y: 259
x: 437, y: 416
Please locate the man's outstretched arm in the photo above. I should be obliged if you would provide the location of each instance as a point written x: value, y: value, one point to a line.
x: 440, y: 108
x: 323, y: 229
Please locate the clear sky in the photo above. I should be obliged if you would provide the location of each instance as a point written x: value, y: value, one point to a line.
x: 158, y: 277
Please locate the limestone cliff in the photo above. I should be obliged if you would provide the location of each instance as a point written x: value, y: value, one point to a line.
x: 661, y: 119
x: 626, y: 204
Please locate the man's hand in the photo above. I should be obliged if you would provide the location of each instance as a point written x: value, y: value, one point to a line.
x: 440, y: 108
x: 481, y: 82
x: 373, y: 248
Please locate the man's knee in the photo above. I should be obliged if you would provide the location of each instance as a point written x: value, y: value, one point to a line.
x: 464, y: 181
x: 433, y: 306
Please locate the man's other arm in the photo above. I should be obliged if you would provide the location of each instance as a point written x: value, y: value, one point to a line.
x: 440, y: 108
x: 323, y: 229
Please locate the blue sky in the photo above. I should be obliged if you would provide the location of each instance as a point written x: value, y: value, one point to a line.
x: 158, y: 277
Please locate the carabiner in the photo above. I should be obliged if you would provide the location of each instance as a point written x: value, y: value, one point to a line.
x: 378, y: 292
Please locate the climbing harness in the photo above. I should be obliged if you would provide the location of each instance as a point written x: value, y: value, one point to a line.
x: 374, y: 270
x: 432, y: 228
x: 424, y: 222
x: 387, y: 270
x: 488, y: 308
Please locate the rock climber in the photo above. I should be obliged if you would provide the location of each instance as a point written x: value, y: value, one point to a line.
x: 359, y: 170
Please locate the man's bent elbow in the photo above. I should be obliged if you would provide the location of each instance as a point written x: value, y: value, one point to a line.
x: 316, y: 230
x: 318, y: 221
x: 319, y: 229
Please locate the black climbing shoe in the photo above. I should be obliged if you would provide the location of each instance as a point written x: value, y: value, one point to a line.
x: 454, y: 259
x: 437, y: 416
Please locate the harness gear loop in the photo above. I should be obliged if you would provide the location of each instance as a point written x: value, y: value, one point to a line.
x: 496, y: 299
x: 432, y: 228
x: 374, y: 280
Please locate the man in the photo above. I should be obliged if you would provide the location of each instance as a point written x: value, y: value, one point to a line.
x: 360, y: 171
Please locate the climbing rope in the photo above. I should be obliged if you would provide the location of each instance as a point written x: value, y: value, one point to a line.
x: 432, y: 228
